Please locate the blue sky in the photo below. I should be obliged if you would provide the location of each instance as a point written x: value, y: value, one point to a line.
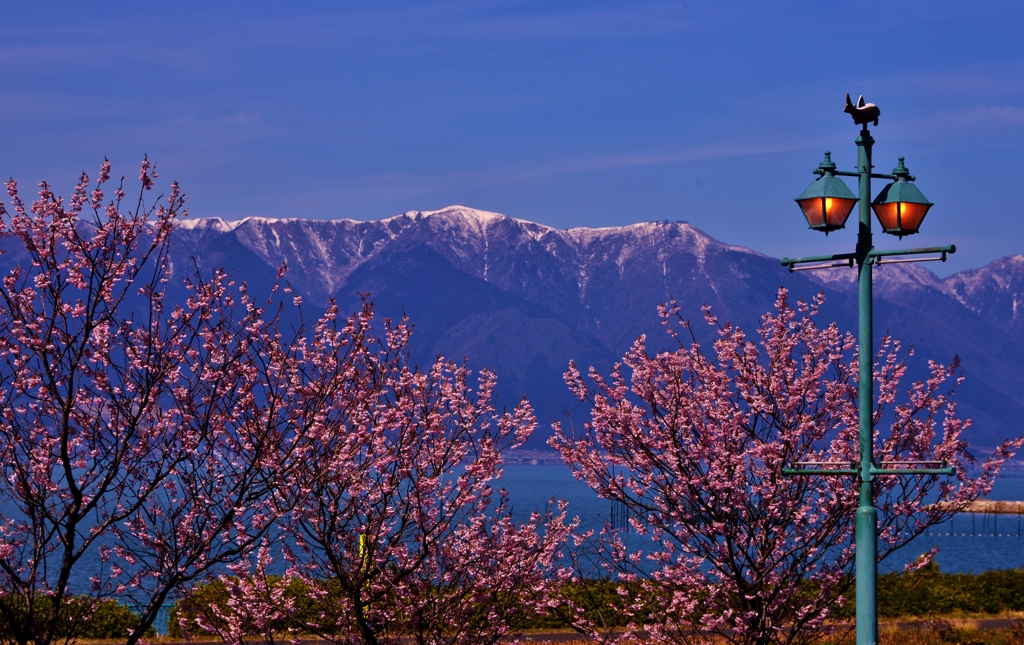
x: 566, y: 113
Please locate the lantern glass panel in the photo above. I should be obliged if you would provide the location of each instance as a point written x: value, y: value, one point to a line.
x: 828, y: 213
x: 813, y: 211
x: 912, y: 215
x: 900, y: 218
x: 888, y: 215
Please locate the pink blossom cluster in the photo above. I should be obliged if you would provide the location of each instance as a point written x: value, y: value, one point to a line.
x: 394, y: 529
x: 175, y: 440
x: 694, y: 443
x: 197, y: 439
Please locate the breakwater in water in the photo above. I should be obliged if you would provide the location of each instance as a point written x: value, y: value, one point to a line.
x: 993, y: 507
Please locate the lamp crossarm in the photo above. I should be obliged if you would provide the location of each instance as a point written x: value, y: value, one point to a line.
x: 790, y: 262
x: 913, y: 471
x: 812, y: 267
x: 813, y: 471
x: 822, y: 468
x: 873, y: 256
x: 848, y: 173
x: 886, y: 468
x: 877, y: 256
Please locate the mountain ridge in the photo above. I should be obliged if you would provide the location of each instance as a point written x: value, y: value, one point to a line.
x: 523, y: 298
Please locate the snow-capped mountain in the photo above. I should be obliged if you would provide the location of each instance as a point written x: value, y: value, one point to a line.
x: 603, y: 277
x: 523, y: 298
x: 994, y: 292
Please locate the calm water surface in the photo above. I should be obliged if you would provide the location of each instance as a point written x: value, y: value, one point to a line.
x: 970, y: 548
x: 530, y: 488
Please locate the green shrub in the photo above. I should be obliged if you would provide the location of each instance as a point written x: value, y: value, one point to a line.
x: 930, y: 592
x: 202, y: 596
x: 923, y: 593
x: 107, y: 618
x: 110, y: 620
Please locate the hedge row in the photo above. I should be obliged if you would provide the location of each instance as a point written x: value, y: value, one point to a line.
x: 109, y: 619
x: 928, y: 592
x: 923, y: 593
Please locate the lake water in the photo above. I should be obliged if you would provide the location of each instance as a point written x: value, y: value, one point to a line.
x: 970, y: 548
x: 530, y: 487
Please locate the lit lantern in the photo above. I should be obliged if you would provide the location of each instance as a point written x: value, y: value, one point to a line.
x: 901, y: 206
x: 827, y: 202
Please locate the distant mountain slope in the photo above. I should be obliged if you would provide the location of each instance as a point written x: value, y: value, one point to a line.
x: 523, y: 298
x: 995, y: 292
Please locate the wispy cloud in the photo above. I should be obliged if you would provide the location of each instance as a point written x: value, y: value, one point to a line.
x: 371, y: 188
x: 493, y: 19
x: 980, y: 123
x: 229, y: 128
x: 980, y: 116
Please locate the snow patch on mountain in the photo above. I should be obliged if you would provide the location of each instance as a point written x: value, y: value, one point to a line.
x: 995, y: 291
x: 227, y: 226
x: 589, y: 292
x: 498, y: 248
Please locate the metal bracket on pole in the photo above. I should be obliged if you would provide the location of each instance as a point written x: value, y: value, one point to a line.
x: 907, y: 468
x: 822, y: 468
x: 836, y: 468
x: 847, y: 264
x: 847, y: 173
x: 820, y: 262
x: 874, y: 257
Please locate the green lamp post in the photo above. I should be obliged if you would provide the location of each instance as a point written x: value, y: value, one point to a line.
x: 900, y: 209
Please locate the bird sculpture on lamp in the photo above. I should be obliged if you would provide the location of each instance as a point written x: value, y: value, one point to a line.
x: 863, y: 113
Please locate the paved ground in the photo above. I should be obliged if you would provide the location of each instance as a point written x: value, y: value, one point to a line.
x: 565, y: 637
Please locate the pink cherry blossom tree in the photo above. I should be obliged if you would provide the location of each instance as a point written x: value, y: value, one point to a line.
x: 399, y: 531
x: 254, y: 607
x: 241, y: 426
x: 80, y: 427
x: 694, y: 443
x: 153, y: 437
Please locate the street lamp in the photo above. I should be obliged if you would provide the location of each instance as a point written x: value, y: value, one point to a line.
x: 900, y: 208
x: 827, y: 202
